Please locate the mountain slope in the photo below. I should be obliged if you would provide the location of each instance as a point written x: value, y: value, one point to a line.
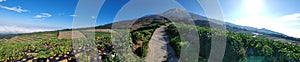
x: 181, y: 16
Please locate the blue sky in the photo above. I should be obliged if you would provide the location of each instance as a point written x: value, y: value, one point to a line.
x: 40, y: 15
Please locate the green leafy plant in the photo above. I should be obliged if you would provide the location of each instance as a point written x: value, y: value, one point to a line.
x: 239, y: 46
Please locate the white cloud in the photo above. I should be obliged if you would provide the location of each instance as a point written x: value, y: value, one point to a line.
x: 2, y: 0
x: 288, y: 24
x: 93, y: 17
x: 42, y: 15
x: 73, y: 15
x: 17, y: 9
x: 292, y: 17
x: 17, y: 29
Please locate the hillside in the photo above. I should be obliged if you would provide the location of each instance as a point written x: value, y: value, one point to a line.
x: 182, y: 16
x: 242, y: 42
x: 239, y: 47
x: 179, y: 16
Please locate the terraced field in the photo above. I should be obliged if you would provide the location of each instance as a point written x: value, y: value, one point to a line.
x: 70, y: 35
x: 59, y: 35
x: 34, y: 37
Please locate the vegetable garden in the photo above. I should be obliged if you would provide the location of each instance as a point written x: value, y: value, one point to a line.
x: 53, y: 49
x: 240, y: 47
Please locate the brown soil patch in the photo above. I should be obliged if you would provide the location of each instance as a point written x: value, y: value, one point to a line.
x: 70, y: 35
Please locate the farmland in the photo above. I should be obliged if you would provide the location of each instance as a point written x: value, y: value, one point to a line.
x: 240, y: 47
x: 54, y: 49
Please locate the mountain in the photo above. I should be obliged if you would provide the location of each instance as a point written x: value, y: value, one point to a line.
x: 6, y: 36
x: 262, y: 32
x: 2, y: 35
x: 181, y: 16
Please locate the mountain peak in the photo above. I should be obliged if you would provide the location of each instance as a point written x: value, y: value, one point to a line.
x: 181, y: 14
x: 175, y: 10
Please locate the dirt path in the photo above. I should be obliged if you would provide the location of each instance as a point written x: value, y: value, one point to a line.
x: 68, y: 35
x: 159, y: 49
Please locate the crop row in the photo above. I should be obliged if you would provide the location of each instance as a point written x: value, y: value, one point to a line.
x: 239, y: 47
x: 54, y: 49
